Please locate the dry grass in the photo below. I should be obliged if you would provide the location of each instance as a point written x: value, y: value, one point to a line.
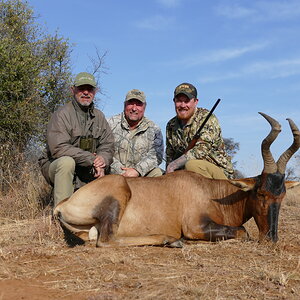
x: 27, y: 196
x: 36, y: 264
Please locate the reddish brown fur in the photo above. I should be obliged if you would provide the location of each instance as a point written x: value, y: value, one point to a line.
x: 163, y: 209
x: 155, y: 211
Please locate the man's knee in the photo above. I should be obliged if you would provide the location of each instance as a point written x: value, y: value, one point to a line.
x: 66, y: 163
x: 63, y: 166
x: 195, y: 165
x: 156, y: 172
x: 205, y: 168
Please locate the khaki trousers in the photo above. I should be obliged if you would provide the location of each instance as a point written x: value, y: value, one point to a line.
x: 205, y: 168
x: 61, y: 173
x: 154, y: 173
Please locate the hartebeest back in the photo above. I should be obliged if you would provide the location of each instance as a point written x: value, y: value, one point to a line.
x: 162, y: 210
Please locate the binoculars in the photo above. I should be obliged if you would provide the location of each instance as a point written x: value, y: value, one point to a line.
x: 87, y: 143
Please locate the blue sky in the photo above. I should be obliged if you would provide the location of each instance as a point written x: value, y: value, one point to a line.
x: 244, y: 52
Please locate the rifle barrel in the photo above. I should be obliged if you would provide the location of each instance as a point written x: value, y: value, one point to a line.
x: 207, y: 117
x: 197, y: 135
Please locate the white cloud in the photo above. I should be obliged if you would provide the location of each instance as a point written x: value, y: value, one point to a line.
x: 218, y: 55
x: 274, y: 69
x: 260, y: 10
x: 215, y: 78
x: 279, y: 9
x: 234, y: 11
x: 263, y: 69
x: 169, y: 3
x: 226, y: 54
x: 157, y: 22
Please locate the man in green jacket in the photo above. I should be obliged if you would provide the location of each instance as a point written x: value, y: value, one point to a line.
x: 80, y: 143
x: 208, y: 157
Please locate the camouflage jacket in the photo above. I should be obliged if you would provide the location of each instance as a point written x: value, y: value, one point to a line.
x: 209, y: 147
x: 141, y: 149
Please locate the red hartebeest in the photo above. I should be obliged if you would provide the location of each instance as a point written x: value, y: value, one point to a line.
x: 162, y: 210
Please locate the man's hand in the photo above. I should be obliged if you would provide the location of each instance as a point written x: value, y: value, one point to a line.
x: 171, y: 168
x: 130, y: 172
x: 99, y: 161
x: 99, y: 165
x: 176, y: 164
x: 99, y: 172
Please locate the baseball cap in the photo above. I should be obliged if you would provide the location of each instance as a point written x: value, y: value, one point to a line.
x: 136, y: 94
x: 187, y: 89
x: 85, y: 78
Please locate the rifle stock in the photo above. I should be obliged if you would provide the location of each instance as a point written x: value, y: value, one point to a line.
x: 191, y: 144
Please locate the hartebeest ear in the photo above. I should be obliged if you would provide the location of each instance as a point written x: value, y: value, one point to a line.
x: 290, y: 184
x: 245, y: 184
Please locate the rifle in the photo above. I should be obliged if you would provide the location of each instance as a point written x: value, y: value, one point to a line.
x: 197, y: 135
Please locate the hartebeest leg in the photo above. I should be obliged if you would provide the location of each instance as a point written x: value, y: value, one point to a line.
x: 215, y: 232
x: 151, y: 240
x: 208, y: 230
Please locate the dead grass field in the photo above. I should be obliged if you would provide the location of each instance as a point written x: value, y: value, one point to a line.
x: 35, y: 264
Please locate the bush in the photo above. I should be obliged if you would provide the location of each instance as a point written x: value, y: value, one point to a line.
x: 34, y: 79
x: 28, y: 195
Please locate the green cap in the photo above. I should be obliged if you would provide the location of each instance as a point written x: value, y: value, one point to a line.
x: 85, y: 78
x: 136, y: 94
x: 187, y: 89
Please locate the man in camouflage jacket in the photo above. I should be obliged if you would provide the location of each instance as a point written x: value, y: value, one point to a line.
x: 208, y: 157
x: 138, y: 141
x: 80, y: 143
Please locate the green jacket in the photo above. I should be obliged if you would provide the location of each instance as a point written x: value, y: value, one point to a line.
x: 64, y: 130
x: 209, y: 147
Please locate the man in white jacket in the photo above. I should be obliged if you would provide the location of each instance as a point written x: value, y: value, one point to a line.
x: 138, y: 141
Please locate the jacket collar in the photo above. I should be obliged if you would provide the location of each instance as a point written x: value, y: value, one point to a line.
x: 84, y: 109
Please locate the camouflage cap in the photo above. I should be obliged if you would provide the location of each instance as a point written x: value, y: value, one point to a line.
x: 85, y: 78
x: 136, y: 94
x: 187, y: 89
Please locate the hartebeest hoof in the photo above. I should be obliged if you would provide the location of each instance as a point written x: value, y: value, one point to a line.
x: 172, y: 242
x: 176, y: 244
x: 93, y: 234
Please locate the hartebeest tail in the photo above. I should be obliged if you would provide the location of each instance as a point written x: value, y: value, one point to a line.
x: 182, y: 204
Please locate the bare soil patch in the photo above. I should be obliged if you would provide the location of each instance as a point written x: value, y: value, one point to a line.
x: 35, y: 263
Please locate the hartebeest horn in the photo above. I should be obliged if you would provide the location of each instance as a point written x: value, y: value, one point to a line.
x: 284, y: 158
x: 269, y: 163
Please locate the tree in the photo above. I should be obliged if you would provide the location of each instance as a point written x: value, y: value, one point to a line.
x: 34, y: 74
x: 232, y: 147
x: 34, y: 78
x: 293, y: 172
